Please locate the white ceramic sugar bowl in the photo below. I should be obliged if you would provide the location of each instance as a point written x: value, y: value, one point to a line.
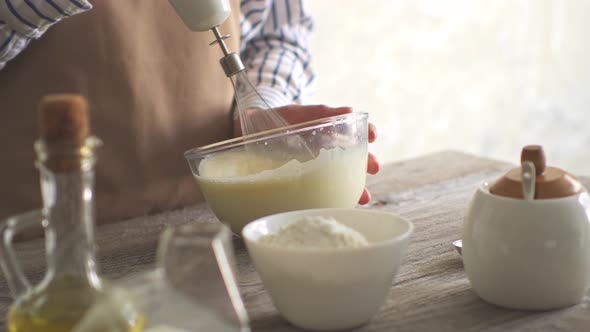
x: 526, y: 238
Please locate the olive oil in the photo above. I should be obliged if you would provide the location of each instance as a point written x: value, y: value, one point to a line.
x: 60, y: 307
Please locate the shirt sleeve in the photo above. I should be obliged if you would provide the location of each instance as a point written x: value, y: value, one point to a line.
x: 24, y: 20
x: 275, y: 49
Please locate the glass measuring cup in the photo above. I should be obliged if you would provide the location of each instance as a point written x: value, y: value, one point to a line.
x: 193, y: 287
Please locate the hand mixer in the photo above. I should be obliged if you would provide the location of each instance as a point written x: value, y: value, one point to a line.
x: 204, y: 15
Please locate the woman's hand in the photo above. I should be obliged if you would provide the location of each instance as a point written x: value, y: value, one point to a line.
x: 303, y: 113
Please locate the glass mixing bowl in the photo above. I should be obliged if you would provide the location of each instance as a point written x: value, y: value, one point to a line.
x: 316, y: 164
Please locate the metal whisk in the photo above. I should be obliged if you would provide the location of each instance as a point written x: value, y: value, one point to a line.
x: 261, y: 116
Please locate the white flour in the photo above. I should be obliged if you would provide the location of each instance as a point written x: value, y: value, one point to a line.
x: 318, y: 233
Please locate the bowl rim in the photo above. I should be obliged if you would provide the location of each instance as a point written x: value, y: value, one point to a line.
x: 199, y: 152
x: 372, y: 245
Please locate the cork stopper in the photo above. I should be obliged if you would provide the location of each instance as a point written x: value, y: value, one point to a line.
x: 536, y: 155
x: 63, y: 129
x: 550, y: 182
x: 63, y: 119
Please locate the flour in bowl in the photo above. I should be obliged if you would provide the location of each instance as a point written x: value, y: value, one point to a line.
x: 316, y: 232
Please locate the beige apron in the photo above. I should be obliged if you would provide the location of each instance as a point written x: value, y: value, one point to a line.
x: 155, y: 90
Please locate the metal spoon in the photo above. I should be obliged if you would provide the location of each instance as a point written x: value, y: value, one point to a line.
x: 528, y: 180
x: 458, y: 246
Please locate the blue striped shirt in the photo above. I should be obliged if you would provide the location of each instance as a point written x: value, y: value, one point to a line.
x: 274, y: 40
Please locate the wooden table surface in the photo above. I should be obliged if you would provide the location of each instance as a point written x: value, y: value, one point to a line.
x: 431, y: 291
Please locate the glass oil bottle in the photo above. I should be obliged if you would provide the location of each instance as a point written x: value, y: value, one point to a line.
x: 65, y: 159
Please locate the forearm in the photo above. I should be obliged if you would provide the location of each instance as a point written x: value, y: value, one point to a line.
x: 275, y: 50
x: 24, y: 20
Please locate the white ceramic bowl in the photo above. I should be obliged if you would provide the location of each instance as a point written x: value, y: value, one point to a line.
x: 330, y: 289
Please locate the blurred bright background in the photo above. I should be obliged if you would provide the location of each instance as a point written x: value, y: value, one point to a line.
x: 483, y: 77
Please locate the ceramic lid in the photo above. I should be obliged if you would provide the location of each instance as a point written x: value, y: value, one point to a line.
x: 550, y: 182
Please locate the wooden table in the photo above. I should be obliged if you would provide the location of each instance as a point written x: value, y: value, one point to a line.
x: 431, y: 291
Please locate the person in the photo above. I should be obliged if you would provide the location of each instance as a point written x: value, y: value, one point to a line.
x: 155, y: 89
